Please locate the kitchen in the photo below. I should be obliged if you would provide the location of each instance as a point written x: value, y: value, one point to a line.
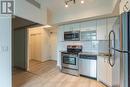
x: 82, y: 50
x: 85, y: 43
x: 85, y: 49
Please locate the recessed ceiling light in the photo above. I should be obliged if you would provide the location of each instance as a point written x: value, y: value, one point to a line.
x: 66, y: 6
x: 82, y: 1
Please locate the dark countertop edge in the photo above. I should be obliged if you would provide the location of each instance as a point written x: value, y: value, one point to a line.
x: 92, y: 53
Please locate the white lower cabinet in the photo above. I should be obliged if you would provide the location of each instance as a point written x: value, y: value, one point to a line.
x: 104, y: 71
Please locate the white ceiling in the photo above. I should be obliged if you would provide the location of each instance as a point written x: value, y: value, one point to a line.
x: 58, y: 5
x: 78, y: 11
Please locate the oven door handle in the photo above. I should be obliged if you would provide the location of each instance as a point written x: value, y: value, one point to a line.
x: 69, y: 55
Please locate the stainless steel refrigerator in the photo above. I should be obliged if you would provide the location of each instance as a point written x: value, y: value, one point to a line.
x: 119, y: 47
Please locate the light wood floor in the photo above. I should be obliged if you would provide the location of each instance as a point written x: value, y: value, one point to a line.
x: 48, y: 75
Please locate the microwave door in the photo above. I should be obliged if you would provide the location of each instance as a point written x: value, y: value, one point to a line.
x: 68, y: 36
x: 76, y: 36
x: 72, y: 36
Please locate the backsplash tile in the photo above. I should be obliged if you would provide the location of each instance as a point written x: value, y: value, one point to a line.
x: 95, y: 46
x: 103, y: 46
x: 88, y: 46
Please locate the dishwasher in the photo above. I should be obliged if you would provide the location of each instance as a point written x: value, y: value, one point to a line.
x: 88, y: 65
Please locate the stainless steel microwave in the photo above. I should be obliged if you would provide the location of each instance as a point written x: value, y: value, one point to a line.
x: 72, y: 36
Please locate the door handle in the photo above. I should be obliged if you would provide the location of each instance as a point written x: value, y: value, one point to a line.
x: 113, y: 59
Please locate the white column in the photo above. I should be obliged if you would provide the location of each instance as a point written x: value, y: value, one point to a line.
x: 5, y: 51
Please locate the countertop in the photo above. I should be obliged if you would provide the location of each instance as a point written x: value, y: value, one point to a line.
x: 92, y: 53
x: 95, y: 53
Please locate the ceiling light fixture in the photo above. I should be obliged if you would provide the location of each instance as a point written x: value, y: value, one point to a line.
x: 74, y: 2
x: 68, y: 1
x: 82, y: 1
x: 66, y: 5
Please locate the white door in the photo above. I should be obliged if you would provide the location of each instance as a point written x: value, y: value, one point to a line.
x: 35, y: 46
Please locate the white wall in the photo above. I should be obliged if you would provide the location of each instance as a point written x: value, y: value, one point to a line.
x: 41, y: 51
x: 5, y: 51
x: 30, y: 12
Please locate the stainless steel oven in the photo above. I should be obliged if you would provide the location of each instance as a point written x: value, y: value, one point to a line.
x: 72, y: 36
x: 70, y: 61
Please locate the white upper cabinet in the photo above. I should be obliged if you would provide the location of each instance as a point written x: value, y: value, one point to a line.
x: 110, y: 23
x: 101, y: 29
x: 112, y: 20
x: 72, y: 27
x: 61, y: 33
x: 83, y: 26
x: 88, y: 30
x: 76, y: 27
x: 89, y: 25
x: 68, y: 27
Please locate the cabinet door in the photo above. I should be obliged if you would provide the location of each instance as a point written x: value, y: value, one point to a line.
x: 110, y: 23
x: 83, y: 26
x: 101, y: 29
x: 76, y: 27
x: 104, y: 71
x: 68, y: 27
x: 61, y: 33
x: 108, y: 73
x: 91, y: 25
x: 101, y: 70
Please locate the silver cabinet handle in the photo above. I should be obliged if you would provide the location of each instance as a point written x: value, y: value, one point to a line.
x: 111, y: 64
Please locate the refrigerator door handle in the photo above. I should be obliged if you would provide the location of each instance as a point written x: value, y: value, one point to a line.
x: 113, y: 59
x: 121, y: 51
